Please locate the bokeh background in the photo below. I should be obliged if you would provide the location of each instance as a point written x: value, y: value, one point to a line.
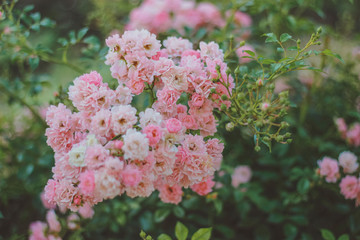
x: 285, y: 199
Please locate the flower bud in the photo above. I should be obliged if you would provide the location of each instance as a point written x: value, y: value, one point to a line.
x: 224, y: 97
x: 229, y: 126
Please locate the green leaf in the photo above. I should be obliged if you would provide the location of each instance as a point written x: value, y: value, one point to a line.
x: 328, y: 52
x: 251, y: 53
x: 1, y: 215
x: 344, y: 237
x: 28, y: 8
x: 181, y: 231
x: 179, y: 211
x: 72, y: 37
x: 164, y: 236
x: 161, y: 214
x: 290, y: 231
x: 35, y: 16
x: 82, y: 33
x: 270, y: 37
x: 63, y: 42
x: 202, y: 234
x: 303, y: 185
x: 327, y: 235
x: 46, y: 22
x: 34, y: 62
x: 285, y: 37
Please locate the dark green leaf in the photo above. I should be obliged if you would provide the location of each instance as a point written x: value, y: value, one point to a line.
x: 179, y: 212
x: 161, y: 214
x: 327, y: 235
x: 34, y: 62
x: 303, y: 185
x: 344, y: 237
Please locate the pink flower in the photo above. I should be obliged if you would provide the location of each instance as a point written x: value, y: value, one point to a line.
x: 348, y: 161
x: 153, y: 133
x: 353, y: 135
x: 242, y: 174
x: 241, y: 53
x: 349, y: 187
x: 86, y: 211
x: 341, y: 126
x: 173, y: 125
x: 136, y: 145
x: 131, y: 176
x: 170, y: 194
x: 203, y: 188
x: 123, y: 117
x: 87, y: 182
x: 329, y: 168
x: 54, y: 224
x: 37, y: 230
x: 73, y: 221
x: 46, y: 203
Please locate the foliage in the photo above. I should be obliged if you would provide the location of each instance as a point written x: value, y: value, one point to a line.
x: 285, y: 198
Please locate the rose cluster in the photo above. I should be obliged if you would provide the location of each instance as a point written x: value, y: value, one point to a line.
x: 349, y: 184
x: 106, y: 148
x: 159, y: 16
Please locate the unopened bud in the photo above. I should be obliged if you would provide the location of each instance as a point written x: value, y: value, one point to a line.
x: 229, y: 126
x: 257, y: 148
x: 224, y: 97
x: 242, y: 43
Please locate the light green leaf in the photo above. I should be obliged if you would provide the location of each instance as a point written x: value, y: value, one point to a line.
x: 328, y: 52
x: 270, y: 37
x: 285, y: 37
x: 82, y: 33
x: 202, y: 234
x: 181, y: 231
x: 164, y: 236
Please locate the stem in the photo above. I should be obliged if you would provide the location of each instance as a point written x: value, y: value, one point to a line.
x: 22, y: 101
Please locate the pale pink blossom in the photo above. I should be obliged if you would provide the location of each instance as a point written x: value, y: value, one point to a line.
x: 329, y: 168
x: 241, y: 174
x: 349, y: 187
x: 54, y: 224
x: 348, y: 161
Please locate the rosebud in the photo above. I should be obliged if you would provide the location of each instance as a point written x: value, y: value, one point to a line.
x: 242, y: 43
x: 223, y: 107
x: 259, y: 82
x: 224, y: 97
x: 257, y: 148
x: 229, y: 126
x: 265, y: 106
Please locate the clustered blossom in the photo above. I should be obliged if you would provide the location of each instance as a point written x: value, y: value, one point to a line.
x: 107, y: 148
x: 352, y: 134
x: 159, y: 16
x: 349, y: 184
